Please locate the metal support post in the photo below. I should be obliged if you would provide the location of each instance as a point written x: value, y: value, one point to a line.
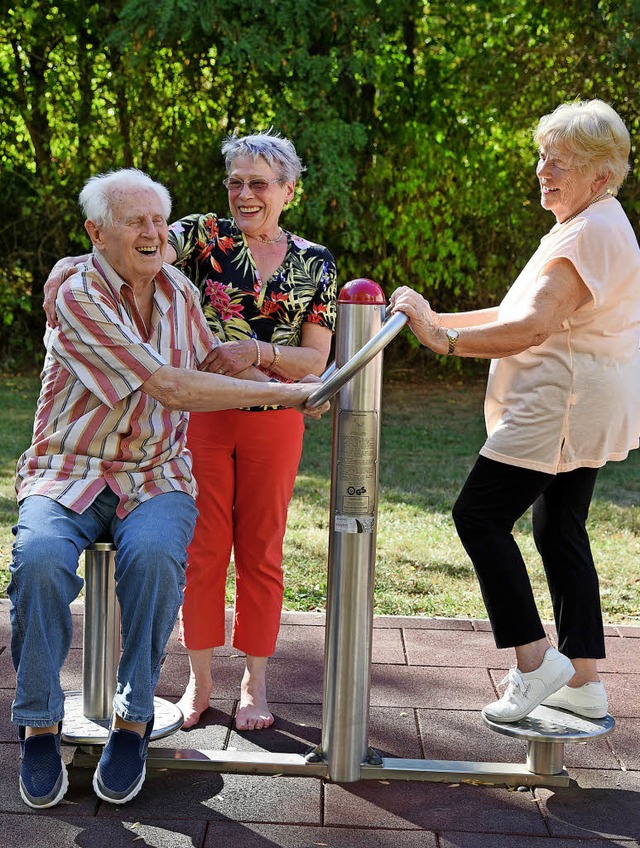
x: 352, y: 537
x: 101, y: 637
x: 88, y: 713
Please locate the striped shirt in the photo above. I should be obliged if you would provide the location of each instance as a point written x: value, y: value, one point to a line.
x: 94, y: 427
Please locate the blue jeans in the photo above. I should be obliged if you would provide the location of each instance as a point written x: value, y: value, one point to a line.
x: 150, y: 566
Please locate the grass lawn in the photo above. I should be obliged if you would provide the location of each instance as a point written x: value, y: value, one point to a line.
x: 431, y: 432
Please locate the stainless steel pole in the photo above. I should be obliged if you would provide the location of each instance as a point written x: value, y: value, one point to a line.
x: 352, y: 537
x: 87, y: 713
x: 101, y: 647
x: 334, y: 378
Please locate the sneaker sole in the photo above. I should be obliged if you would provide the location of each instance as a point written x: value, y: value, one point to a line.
x: 101, y: 791
x: 559, y: 682
x: 31, y: 802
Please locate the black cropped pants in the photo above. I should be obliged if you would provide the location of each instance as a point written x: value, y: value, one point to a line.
x: 493, y: 498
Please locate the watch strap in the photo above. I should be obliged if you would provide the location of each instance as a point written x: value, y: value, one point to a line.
x: 452, y: 336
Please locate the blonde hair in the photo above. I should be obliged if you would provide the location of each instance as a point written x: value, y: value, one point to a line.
x: 593, y: 134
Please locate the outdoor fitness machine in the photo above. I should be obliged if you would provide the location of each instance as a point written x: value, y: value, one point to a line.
x: 344, y: 754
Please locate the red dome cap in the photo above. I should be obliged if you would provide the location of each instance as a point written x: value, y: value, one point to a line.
x: 362, y: 291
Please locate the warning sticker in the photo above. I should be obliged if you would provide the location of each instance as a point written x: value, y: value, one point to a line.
x: 351, y: 524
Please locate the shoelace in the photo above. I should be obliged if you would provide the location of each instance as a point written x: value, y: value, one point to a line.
x: 514, y: 681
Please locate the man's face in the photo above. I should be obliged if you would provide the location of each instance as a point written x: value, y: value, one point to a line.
x: 135, y: 243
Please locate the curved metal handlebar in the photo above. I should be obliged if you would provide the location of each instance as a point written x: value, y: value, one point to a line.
x: 329, y: 370
x: 334, y: 380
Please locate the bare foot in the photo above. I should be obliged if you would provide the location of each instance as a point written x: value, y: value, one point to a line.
x: 193, y: 703
x: 196, y: 696
x: 253, y: 712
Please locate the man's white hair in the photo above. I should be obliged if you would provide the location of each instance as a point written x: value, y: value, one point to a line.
x: 95, y: 197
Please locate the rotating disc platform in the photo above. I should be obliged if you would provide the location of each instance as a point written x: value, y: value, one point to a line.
x: 546, y: 729
x: 77, y: 729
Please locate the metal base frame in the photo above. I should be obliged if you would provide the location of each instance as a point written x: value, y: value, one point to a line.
x: 545, y: 730
x: 255, y: 763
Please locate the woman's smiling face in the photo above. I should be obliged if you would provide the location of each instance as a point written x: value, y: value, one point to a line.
x: 565, y: 188
x: 258, y: 213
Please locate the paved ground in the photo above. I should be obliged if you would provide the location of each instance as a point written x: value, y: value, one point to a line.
x: 430, y: 679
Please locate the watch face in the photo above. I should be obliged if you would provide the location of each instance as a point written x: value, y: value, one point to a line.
x: 452, y: 335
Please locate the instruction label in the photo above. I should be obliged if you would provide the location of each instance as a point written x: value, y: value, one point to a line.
x: 357, y: 472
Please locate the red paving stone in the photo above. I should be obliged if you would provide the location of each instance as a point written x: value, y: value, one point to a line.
x: 430, y: 679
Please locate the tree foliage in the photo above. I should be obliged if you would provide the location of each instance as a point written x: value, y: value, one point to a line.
x: 414, y: 121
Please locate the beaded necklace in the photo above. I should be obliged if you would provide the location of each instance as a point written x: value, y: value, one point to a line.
x: 595, y: 200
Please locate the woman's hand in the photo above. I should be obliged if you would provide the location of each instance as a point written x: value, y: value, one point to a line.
x: 230, y: 358
x: 424, y: 323
x: 61, y: 270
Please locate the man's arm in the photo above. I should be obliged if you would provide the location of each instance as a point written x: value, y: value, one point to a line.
x: 200, y: 391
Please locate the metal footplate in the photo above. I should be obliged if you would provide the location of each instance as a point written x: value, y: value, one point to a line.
x: 77, y: 729
x: 546, y: 730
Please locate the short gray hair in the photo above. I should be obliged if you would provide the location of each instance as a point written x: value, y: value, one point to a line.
x: 593, y: 133
x: 95, y: 197
x: 277, y: 151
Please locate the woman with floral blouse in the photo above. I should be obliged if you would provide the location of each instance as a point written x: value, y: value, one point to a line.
x: 269, y: 296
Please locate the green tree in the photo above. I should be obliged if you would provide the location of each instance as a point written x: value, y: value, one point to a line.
x: 414, y: 120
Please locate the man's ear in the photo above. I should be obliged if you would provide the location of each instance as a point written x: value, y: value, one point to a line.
x: 95, y: 233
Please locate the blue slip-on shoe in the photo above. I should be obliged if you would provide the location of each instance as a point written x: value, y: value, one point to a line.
x: 43, y: 775
x: 122, y: 767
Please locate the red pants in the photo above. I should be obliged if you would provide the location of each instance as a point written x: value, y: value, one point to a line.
x: 245, y: 464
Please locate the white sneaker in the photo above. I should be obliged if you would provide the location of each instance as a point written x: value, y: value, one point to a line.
x: 526, y: 690
x: 588, y: 700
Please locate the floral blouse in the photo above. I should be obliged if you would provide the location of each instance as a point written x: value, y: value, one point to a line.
x: 214, y: 254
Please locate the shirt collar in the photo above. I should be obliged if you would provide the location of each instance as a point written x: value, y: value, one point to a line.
x: 164, y: 285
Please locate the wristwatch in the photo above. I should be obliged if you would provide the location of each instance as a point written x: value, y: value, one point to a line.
x: 452, y: 335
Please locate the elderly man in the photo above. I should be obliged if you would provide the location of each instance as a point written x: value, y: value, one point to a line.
x: 108, y: 456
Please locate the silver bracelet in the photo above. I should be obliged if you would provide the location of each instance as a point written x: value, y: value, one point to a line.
x: 257, y: 364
